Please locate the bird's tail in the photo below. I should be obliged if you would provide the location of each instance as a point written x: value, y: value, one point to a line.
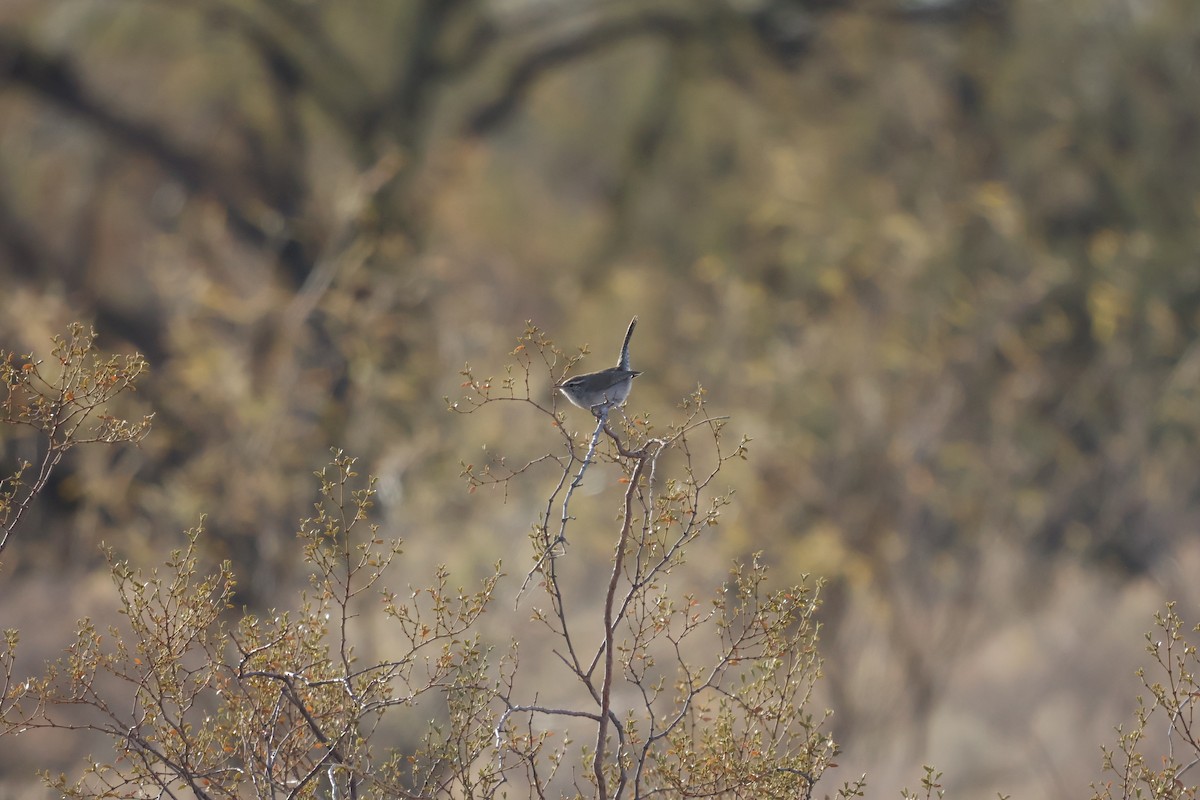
x: 624, y: 362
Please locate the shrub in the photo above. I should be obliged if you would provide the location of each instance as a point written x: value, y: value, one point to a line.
x: 675, y: 696
x: 65, y: 402
x: 1137, y: 770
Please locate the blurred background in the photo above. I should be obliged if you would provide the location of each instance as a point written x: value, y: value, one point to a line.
x: 939, y: 258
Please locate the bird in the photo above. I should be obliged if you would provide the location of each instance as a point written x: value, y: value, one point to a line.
x: 599, y: 391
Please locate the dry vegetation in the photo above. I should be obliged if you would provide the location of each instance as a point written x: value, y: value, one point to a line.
x: 938, y: 261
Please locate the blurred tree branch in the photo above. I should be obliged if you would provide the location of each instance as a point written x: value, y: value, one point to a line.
x: 570, y: 46
x: 55, y: 79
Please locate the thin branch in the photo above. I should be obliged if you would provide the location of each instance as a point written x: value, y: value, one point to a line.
x: 610, y: 626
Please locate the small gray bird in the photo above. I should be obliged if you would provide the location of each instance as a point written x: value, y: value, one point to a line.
x: 608, y: 388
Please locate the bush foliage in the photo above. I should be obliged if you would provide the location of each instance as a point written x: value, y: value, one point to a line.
x: 678, y: 696
x: 938, y: 258
x: 670, y: 695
